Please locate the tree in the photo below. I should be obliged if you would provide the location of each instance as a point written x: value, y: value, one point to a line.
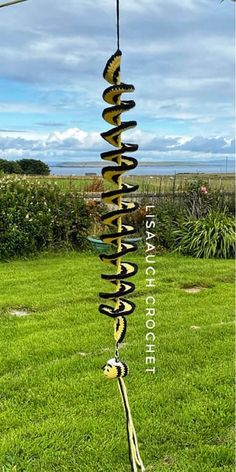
x: 10, y: 167
x: 33, y: 167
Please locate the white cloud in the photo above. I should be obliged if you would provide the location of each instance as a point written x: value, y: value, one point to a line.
x: 79, y: 145
x: 179, y: 55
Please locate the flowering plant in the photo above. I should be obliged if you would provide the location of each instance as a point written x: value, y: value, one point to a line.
x: 35, y: 215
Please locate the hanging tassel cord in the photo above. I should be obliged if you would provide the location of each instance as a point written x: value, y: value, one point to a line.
x: 118, y: 23
x: 134, y: 454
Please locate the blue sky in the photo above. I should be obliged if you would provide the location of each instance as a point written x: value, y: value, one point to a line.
x: 178, y: 54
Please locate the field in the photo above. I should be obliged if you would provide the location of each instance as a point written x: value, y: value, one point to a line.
x: 58, y: 412
x: 150, y: 184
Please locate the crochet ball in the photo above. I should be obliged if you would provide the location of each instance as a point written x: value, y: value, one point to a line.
x: 115, y: 370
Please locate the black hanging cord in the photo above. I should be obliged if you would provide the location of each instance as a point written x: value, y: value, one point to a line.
x: 118, y: 23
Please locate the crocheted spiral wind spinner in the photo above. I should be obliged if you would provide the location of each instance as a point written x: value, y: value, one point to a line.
x: 120, y: 307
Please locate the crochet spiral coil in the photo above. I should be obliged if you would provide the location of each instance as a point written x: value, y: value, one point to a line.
x: 121, y: 307
x: 117, y: 306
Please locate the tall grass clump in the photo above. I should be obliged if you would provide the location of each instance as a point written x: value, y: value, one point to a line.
x: 37, y: 215
x: 208, y: 237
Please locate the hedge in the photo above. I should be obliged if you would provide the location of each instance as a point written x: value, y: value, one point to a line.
x: 36, y: 215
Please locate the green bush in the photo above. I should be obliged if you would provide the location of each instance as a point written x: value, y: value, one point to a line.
x: 33, y: 167
x: 36, y: 216
x: 207, y: 237
x: 169, y: 213
x: 137, y: 219
x: 24, y: 166
x: 10, y: 167
x: 223, y: 202
x: 197, y: 199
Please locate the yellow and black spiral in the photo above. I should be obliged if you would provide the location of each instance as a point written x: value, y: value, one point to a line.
x: 117, y: 305
x: 121, y: 307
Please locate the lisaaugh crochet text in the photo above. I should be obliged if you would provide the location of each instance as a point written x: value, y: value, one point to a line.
x: 150, y: 274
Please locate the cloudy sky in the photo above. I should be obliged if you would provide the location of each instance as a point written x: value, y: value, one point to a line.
x: 178, y: 54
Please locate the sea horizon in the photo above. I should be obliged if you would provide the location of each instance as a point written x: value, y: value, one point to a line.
x: 148, y: 168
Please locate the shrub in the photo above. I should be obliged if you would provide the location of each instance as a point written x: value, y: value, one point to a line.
x: 137, y: 219
x: 95, y: 185
x: 35, y: 216
x: 24, y: 166
x: 223, y: 202
x: 169, y: 213
x: 207, y: 237
x: 33, y: 167
x: 95, y: 209
x: 10, y: 167
x: 197, y: 198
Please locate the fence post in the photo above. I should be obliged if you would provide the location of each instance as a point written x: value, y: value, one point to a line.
x: 174, y: 184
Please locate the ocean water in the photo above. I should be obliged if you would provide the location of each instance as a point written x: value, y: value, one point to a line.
x: 168, y: 169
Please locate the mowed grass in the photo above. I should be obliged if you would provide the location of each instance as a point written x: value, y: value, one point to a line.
x: 59, y: 413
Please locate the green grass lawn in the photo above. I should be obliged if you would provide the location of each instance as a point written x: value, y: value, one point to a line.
x: 59, y: 413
